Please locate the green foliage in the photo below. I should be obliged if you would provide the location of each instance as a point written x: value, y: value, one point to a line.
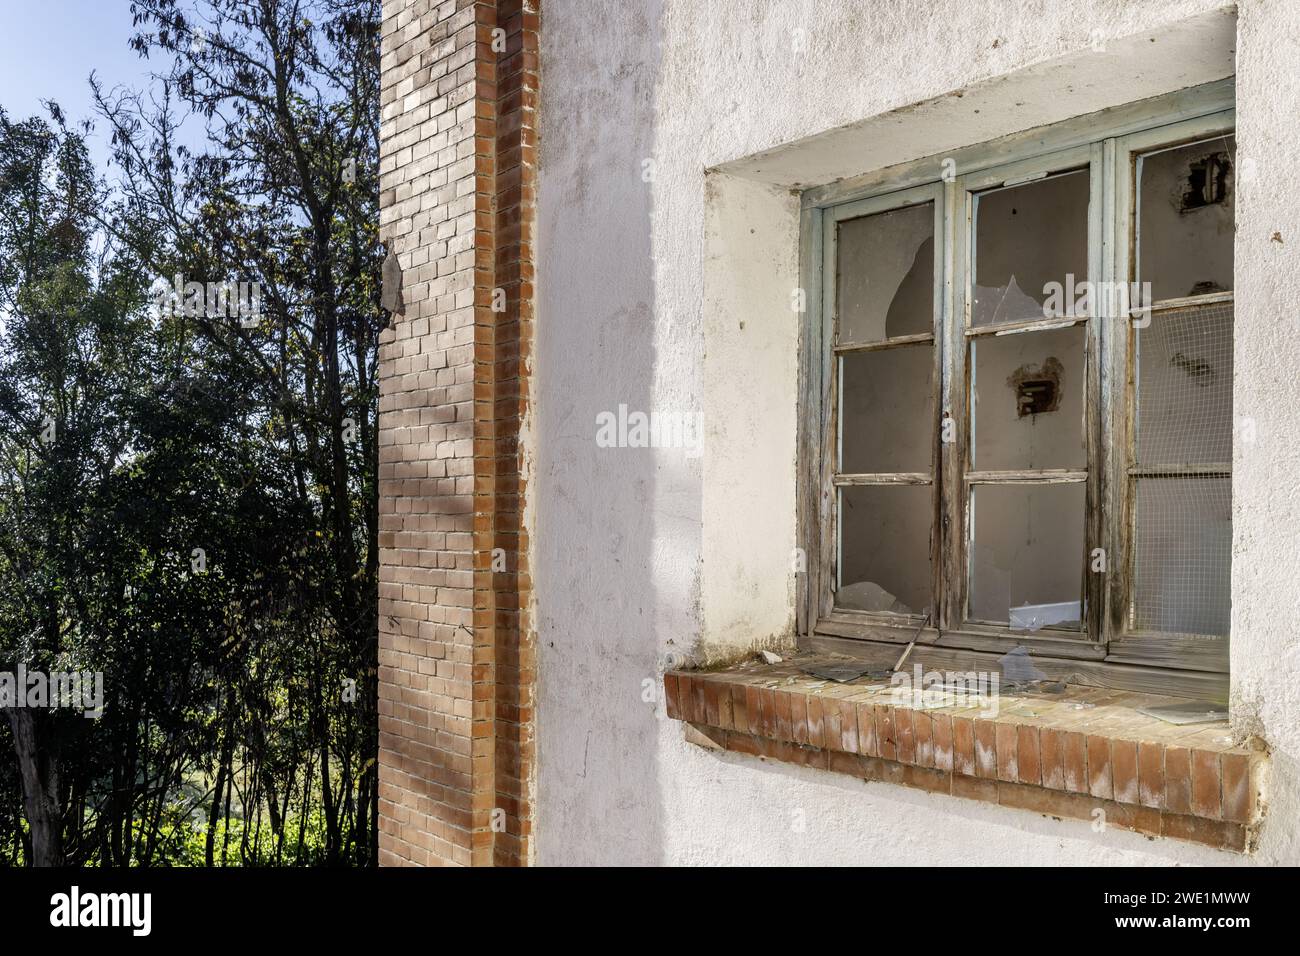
x: 226, y: 737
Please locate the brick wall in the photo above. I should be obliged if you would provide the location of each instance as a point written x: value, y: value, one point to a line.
x: 457, y: 170
x: 516, y: 165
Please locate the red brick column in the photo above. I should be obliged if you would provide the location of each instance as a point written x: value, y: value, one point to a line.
x: 457, y: 170
x: 516, y: 206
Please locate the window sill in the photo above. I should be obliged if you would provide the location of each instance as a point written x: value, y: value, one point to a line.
x: 1062, y: 755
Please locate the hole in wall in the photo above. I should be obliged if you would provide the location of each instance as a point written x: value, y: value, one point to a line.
x: 1037, y: 387
x: 1035, y: 396
x: 1207, y: 182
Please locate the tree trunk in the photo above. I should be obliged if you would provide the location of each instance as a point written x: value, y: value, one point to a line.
x: 38, y: 765
x: 223, y: 782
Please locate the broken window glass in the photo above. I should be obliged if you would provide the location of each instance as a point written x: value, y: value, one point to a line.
x: 1183, y: 554
x: 1029, y: 240
x: 1026, y: 561
x: 887, y: 410
x: 1027, y: 401
x: 1186, y: 199
x: 1023, y: 256
x: 885, y: 548
x: 886, y: 275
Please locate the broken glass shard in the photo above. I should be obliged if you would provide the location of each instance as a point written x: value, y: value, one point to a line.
x: 1030, y: 240
x: 885, y: 268
x: 1186, y: 218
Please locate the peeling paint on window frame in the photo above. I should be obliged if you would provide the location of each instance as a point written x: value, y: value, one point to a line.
x: 1103, y: 653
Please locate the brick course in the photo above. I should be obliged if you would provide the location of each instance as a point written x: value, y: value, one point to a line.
x: 457, y: 202
x: 1060, y: 755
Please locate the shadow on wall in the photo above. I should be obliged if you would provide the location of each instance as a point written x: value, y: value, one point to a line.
x: 599, y: 509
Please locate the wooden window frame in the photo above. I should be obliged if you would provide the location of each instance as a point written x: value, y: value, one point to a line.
x: 1103, y: 652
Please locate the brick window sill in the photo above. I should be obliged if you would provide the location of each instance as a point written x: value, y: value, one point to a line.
x: 1062, y: 755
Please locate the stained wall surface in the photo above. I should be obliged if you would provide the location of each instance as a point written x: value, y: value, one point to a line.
x: 675, y: 139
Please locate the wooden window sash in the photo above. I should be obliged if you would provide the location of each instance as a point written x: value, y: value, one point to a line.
x: 1107, y: 153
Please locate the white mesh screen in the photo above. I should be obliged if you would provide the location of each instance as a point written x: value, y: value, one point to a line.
x: 1182, y: 522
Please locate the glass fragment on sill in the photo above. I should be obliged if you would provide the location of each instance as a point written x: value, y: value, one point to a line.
x: 1188, y: 712
x: 1034, y: 617
x: 885, y: 275
x: 1186, y: 218
x: 870, y: 596
x: 843, y: 672
x: 1030, y: 240
x: 1019, y: 668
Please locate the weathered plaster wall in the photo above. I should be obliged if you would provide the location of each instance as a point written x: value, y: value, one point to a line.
x: 749, y: 400
x: 1266, y: 400
x: 633, y: 547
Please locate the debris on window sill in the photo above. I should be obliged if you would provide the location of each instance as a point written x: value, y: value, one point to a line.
x: 1060, y: 750
x: 1188, y: 712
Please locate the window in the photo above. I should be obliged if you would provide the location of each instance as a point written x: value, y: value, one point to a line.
x: 1021, y: 389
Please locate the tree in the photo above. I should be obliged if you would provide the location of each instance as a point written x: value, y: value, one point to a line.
x: 284, y: 193
x: 188, y: 501
x: 69, y: 364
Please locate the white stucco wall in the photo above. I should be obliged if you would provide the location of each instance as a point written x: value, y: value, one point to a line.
x: 642, y: 554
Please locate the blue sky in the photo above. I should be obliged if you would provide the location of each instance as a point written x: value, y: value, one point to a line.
x: 48, y: 49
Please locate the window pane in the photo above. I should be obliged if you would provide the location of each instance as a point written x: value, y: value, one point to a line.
x: 1028, y: 401
x: 1185, y: 218
x: 1184, y: 387
x: 1027, y: 238
x: 887, y: 403
x: 1183, y: 555
x: 885, y: 548
x: 886, y: 275
x: 1027, y: 554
